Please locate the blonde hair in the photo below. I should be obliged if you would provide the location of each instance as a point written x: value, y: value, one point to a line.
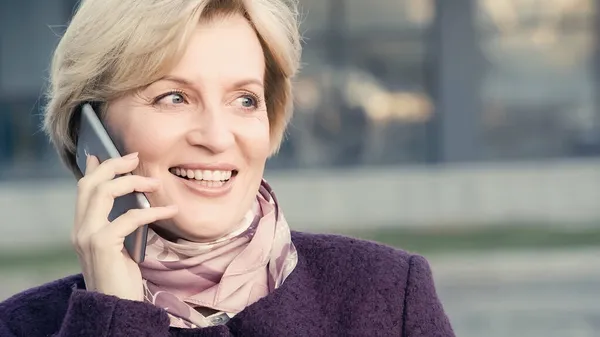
x: 113, y: 47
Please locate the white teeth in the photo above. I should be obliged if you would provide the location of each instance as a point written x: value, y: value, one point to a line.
x: 204, y: 175
x: 210, y: 184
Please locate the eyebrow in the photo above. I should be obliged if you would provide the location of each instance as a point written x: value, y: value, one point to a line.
x: 237, y: 84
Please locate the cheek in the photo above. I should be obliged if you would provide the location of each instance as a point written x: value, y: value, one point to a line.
x: 256, y: 140
x: 148, y: 144
x: 134, y: 130
x: 153, y: 142
x: 144, y: 141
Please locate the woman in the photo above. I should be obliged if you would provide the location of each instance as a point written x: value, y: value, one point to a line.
x: 198, y: 94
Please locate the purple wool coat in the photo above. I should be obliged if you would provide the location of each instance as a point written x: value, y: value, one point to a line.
x: 340, y: 287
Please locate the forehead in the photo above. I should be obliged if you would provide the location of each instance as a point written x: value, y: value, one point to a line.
x: 222, y: 49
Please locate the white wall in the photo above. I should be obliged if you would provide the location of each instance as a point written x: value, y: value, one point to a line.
x: 566, y: 193
x: 553, y: 192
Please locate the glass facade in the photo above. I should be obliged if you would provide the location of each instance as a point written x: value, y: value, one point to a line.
x: 539, y: 83
x: 383, y: 82
x: 362, y: 96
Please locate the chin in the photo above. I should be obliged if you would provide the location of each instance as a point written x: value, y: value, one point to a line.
x: 192, y: 228
x: 204, y: 218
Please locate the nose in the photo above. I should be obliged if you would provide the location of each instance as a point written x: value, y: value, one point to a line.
x: 212, y: 130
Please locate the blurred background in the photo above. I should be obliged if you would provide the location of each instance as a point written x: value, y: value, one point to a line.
x: 467, y: 131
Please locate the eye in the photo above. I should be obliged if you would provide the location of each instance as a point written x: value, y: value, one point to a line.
x: 171, y: 98
x: 248, y: 101
x: 177, y: 98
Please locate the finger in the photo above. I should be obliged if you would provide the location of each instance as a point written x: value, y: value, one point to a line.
x: 102, y: 200
x: 130, y: 221
x: 108, y: 170
x: 99, y: 173
x: 124, y: 185
x: 91, y: 163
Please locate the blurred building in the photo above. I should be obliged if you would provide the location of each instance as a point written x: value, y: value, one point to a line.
x: 384, y: 82
x: 390, y: 83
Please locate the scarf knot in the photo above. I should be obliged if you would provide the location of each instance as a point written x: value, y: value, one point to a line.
x: 190, y: 279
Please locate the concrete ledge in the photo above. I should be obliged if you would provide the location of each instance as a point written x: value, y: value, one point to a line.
x: 41, y: 212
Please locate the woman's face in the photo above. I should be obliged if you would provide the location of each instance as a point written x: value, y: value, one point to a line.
x: 202, y: 130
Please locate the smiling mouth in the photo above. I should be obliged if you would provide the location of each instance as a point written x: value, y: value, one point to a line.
x: 206, y: 178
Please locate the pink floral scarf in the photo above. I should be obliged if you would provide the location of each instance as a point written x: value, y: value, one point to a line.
x: 226, y: 276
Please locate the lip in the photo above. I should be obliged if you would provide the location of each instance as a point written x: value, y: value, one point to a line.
x: 209, y: 192
x: 208, y: 167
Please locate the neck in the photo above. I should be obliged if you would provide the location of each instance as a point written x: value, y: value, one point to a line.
x: 241, y: 228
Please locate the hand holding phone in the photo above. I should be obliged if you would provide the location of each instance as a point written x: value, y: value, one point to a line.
x: 93, y: 139
x: 101, y: 229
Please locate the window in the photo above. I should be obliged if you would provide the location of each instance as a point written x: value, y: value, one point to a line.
x: 361, y: 97
x: 538, y: 88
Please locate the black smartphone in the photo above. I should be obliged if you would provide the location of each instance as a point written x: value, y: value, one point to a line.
x: 93, y: 139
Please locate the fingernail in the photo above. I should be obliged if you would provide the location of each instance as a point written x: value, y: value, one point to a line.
x: 88, y: 158
x: 173, y: 207
x: 133, y: 155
